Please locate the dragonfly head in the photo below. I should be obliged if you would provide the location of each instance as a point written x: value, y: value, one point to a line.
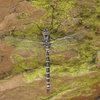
x: 46, y: 32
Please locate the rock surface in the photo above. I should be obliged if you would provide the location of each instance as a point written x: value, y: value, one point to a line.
x: 12, y: 11
x: 5, y: 61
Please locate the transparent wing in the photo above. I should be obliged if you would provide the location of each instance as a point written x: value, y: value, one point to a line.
x: 35, y: 46
x: 63, y: 44
x: 35, y: 49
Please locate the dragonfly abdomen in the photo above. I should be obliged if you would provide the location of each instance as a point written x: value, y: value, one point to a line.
x: 47, y: 70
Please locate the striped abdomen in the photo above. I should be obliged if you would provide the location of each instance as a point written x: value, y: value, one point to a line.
x: 47, y: 71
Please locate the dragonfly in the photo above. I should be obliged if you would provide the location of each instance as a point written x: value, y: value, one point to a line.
x: 48, y: 43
